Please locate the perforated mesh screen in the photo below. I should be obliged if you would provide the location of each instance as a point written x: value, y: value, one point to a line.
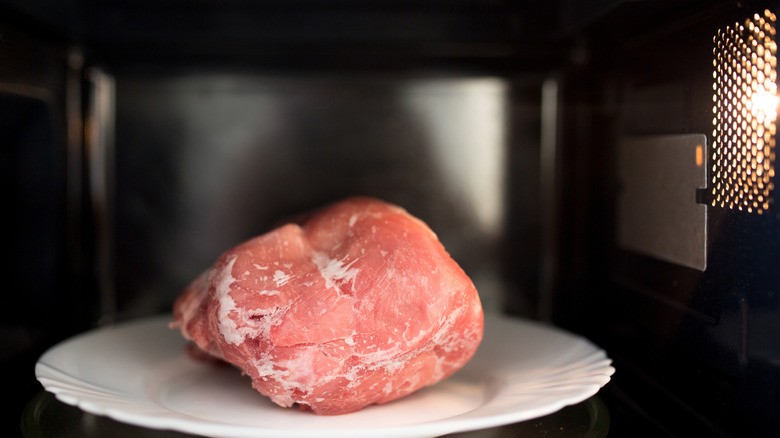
x: 745, y: 112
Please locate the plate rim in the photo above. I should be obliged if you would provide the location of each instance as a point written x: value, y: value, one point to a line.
x: 145, y: 412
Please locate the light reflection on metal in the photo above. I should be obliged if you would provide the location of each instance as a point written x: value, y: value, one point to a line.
x: 99, y: 148
x: 745, y: 105
x: 699, y: 155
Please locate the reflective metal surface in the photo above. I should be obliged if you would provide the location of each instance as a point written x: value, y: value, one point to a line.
x: 204, y: 162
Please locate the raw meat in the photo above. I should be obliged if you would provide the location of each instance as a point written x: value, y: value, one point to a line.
x: 360, y: 304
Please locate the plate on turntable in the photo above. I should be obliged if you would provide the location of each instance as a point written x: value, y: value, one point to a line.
x: 139, y: 373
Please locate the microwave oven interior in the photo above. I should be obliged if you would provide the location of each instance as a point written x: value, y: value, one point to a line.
x: 605, y: 166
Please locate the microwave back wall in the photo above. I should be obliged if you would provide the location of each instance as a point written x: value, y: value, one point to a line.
x: 605, y: 166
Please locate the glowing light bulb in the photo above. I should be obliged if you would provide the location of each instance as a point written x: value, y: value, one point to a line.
x: 763, y: 103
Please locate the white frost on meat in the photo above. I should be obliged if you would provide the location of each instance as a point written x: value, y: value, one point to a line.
x: 227, y: 306
x: 280, y: 278
x: 334, y: 271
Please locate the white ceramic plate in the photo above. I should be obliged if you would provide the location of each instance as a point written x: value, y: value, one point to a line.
x: 139, y: 373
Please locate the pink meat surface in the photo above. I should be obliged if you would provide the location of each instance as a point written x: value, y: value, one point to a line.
x: 361, y: 304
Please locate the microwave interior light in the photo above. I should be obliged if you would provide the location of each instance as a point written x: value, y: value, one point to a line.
x: 745, y: 105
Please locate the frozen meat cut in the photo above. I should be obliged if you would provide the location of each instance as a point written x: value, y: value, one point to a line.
x: 359, y: 304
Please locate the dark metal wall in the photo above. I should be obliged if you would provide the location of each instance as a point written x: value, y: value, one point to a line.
x: 44, y: 272
x: 695, y: 349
